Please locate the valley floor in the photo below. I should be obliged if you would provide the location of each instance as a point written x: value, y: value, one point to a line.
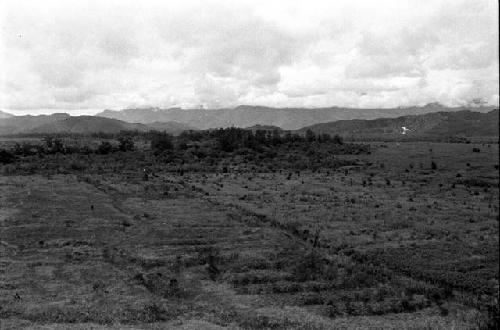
x: 388, y: 244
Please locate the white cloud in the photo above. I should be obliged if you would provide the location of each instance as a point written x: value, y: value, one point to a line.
x: 65, y: 55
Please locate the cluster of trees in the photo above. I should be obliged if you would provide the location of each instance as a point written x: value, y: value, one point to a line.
x: 56, y: 145
x: 161, y: 141
x: 6, y: 157
x: 230, y: 139
x: 224, y: 139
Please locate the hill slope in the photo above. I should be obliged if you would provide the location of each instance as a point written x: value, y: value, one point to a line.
x: 87, y: 124
x: 441, y: 124
x: 5, y: 115
x: 263, y: 128
x: 24, y: 124
x: 64, y: 123
x: 171, y: 127
x: 247, y: 116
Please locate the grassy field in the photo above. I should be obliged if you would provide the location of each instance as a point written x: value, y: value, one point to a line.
x: 402, y: 237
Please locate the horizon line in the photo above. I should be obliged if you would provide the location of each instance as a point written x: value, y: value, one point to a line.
x: 94, y: 111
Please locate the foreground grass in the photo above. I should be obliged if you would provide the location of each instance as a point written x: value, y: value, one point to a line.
x: 337, y: 248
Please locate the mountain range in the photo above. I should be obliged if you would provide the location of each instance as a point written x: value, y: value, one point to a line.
x: 5, y: 115
x: 286, y: 118
x: 64, y: 123
x: 464, y: 123
x: 431, y: 120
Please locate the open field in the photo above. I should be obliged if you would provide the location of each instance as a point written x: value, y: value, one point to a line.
x: 402, y: 237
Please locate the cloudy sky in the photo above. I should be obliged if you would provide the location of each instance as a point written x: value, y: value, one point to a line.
x: 86, y: 56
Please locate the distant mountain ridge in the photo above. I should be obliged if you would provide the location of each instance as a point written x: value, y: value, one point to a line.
x: 24, y: 124
x: 88, y: 124
x: 442, y: 123
x: 4, y: 114
x: 439, y: 124
x: 286, y: 118
x: 171, y: 127
x: 263, y: 128
x: 64, y: 123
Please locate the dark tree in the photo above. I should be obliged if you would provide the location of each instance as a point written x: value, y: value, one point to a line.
x: 337, y: 139
x: 310, y: 136
x: 260, y: 137
x: 126, y: 143
x: 104, y: 148
x: 276, y: 138
x: 324, y: 138
x: 57, y: 146
x: 6, y: 157
x: 49, y: 141
x: 161, y: 142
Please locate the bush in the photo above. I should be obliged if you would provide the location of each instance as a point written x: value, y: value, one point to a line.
x: 104, y: 148
x: 27, y: 149
x: 6, y: 157
x: 54, y: 145
x: 58, y: 146
x: 125, y: 143
x: 310, y: 136
x: 78, y: 166
x: 338, y: 139
x: 161, y: 142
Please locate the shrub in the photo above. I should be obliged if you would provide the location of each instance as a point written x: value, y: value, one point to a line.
x: 57, y: 146
x: 78, y: 166
x: 125, y: 143
x: 54, y: 145
x: 311, y: 266
x: 6, y: 157
x: 337, y: 139
x: 310, y: 136
x: 161, y: 142
x: 26, y: 149
x: 104, y: 148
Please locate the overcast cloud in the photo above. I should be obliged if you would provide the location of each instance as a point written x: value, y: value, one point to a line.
x: 89, y: 55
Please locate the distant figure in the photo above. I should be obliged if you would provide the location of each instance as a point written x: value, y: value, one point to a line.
x: 404, y: 130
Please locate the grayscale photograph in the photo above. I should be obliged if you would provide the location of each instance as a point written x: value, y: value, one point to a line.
x: 249, y: 164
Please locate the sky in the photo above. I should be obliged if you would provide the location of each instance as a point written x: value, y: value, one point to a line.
x: 86, y: 56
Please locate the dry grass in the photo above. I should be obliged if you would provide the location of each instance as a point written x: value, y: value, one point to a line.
x: 254, y: 250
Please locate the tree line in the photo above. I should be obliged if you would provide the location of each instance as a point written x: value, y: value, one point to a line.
x: 223, y: 139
